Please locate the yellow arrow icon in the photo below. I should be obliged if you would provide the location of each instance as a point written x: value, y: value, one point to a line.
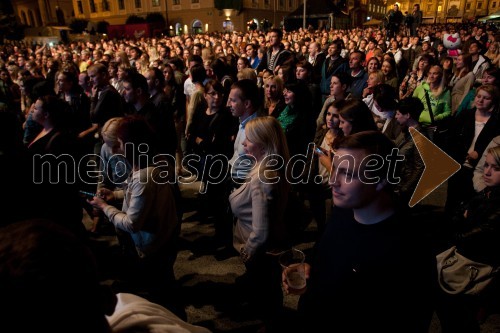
x: 439, y: 166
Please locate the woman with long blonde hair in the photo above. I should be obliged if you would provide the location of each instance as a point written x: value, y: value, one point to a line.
x: 260, y: 206
x: 472, y: 131
x: 493, y: 54
x: 122, y: 59
x: 274, y: 102
x: 462, y: 80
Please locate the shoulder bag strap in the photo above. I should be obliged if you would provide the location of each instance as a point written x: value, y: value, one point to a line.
x: 431, y: 114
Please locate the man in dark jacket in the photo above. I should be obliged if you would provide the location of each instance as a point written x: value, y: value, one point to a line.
x: 105, y: 101
x: 394, y: 18
x: 276, y: 56
x: 417, y: 19
x: 136, y: 94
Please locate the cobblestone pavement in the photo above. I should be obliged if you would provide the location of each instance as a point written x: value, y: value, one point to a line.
x: 208, y: 280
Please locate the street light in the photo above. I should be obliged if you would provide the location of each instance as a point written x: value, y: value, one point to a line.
x: 274, y: 13
x: 304, y: 16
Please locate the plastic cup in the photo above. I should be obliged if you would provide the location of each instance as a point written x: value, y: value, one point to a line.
x: 292, y: 262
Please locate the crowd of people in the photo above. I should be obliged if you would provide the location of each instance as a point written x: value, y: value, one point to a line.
x: 267, y: 123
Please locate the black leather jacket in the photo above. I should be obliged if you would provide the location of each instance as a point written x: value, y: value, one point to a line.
x: 478, y: 234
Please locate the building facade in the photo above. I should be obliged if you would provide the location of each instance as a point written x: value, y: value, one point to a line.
x: 188, y: 16
x: 116, y: 11
x: 192, y: 16
x: 450, y: 11
x: 40, y: 13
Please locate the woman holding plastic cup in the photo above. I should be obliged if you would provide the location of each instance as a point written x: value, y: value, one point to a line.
x: 259, y: 206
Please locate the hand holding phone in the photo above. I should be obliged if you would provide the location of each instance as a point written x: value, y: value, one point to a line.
x: 319, y: 151
x: 88, y: 194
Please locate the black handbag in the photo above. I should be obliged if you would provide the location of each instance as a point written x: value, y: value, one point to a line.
x: 438, y: 131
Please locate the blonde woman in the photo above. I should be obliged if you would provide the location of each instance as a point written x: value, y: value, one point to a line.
x: 374, y: 79
x: 433, y: 92
x: 152, y: 53
x: 472, y: 131
x: 247, y: 73
x: 259, y: 206
x: 148, y: 214
x: 142, y: 65
x: 274, y: 101
x: 493, y: 54
x: 475, y: 237
x: 462, y: 80
x: 13, y: 72
x: 114, y: 168
x: 122, y: 59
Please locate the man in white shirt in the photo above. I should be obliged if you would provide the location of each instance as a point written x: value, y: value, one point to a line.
x: 243, y: 102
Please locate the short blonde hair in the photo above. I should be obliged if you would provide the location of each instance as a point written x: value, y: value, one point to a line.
x: 247, y: 73
x: 108, y: 131
x: 379, y: 75
x: 495, y: 153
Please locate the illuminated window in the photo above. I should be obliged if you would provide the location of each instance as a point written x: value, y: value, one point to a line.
x: 80, y: 6
x: 105, y: 5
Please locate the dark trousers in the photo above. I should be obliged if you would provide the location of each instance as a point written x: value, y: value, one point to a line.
x: 319, y: 197
x: 413, y: 30
x: 262, y: 281
x: 460, y: 189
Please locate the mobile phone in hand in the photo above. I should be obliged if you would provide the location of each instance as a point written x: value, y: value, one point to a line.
x: 88, y: 194
x: 319, y: 151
